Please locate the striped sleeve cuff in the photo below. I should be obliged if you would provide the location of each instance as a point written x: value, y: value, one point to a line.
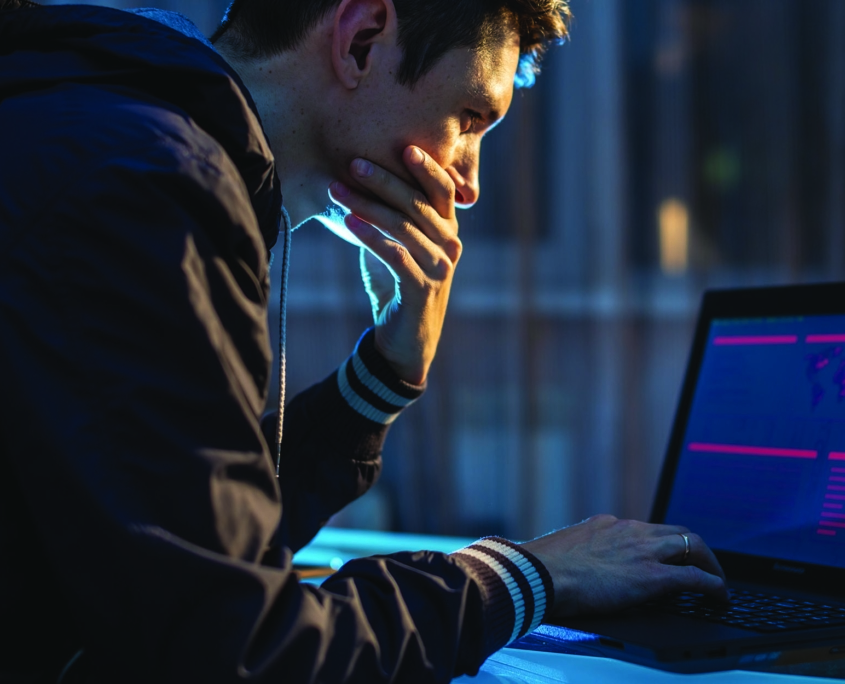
x: 371, y: 387
x: 518, y: 587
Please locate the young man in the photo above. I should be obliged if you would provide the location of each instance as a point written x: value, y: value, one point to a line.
x: 145, y: 534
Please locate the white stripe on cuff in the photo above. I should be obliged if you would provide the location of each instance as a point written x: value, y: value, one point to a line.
x: 510, y: 583
x: 376, y: 386
x: 358, y: 403
x: 529, y: 571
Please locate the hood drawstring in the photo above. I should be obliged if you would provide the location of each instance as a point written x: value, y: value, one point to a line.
x: 283, y: 302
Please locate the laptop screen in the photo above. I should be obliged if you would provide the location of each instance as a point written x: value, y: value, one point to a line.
x: 762, y: 463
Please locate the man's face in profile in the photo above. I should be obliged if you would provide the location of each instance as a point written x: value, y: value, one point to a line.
x: 445, y: 113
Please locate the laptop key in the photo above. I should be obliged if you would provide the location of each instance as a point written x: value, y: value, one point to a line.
x: 755, y: 611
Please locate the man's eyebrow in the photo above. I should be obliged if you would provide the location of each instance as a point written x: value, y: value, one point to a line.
x: 490, y: 107
x: 487, y: 104
x: 493, y: 115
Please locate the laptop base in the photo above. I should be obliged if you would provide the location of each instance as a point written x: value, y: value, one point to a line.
x: 826, y: 659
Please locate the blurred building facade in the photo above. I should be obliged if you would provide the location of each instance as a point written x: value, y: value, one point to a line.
x: 671, y: 146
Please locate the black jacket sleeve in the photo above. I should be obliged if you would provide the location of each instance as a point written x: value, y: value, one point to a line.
x: 132, y: 315
x: 333, y: 440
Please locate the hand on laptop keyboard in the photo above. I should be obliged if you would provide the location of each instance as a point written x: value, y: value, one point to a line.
x: 605, y: 564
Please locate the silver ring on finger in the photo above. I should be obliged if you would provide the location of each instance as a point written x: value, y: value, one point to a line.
x: 686, y: 548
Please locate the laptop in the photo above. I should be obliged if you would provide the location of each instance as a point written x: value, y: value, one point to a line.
x: 755, y: 465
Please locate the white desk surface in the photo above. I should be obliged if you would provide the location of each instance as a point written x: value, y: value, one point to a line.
x: 512, y: 666
x: 334, y: 546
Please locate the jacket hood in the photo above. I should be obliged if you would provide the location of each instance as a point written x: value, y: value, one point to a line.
x: 41, y: 47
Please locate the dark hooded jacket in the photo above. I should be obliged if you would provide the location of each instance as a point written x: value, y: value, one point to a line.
x: 141, y: 520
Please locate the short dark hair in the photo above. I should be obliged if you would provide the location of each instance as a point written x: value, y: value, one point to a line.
x: 254, y: 29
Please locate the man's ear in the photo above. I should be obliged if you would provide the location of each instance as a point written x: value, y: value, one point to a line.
x: 360, y: 28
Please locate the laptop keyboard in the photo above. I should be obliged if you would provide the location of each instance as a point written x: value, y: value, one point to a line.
x: 758, y: 612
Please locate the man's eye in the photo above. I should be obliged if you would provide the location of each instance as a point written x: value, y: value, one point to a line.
x: 470, y: 121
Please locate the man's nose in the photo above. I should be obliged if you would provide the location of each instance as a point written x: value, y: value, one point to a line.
x: 467, y: 193
x: 465, y: 175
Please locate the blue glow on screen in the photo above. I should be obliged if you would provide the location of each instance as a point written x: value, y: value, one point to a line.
x: 762, y: 470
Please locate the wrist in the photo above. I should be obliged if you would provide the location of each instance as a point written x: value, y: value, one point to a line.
x: 516, y: 584
x: 371, y: 387
x: 414, y: 373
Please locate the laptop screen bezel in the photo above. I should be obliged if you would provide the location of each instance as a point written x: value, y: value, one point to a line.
x: 767, y: 302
